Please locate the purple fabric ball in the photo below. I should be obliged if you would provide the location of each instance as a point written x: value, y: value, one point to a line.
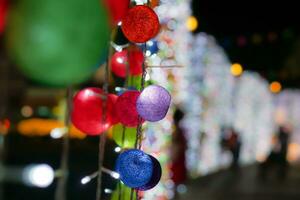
x: 153, y: 103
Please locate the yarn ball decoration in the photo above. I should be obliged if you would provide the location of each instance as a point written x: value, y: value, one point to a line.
x: 128, y: 139
x: 140, y: 24
x: 117, y: 9
x: 153, y: 103
x: 55, y: 42
x: 135, y: 168
x: 134, y: 58
x: 126, y: 108
x: 87, y: 111
x: 156, y: 175
x: 113, y: 112
x: 3, y: 11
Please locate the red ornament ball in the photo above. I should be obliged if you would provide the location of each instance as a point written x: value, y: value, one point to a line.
x: 126, y: 108
x: 140, y: 24
x: 87, y: 111
x: 113, y: 112
x: 119, y: 62
x: 3, y: 12
x: 117, y: 9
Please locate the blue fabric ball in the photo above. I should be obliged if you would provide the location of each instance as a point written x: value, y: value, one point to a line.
x: 156, y: 175
x: 135, y: 168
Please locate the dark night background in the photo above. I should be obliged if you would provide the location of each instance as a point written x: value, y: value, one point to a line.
x: 274, y: 58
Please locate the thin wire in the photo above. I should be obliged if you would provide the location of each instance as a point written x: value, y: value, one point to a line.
x: 60, y: 193
x: 103, y: 135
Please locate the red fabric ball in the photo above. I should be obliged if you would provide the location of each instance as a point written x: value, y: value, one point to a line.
x: 120, y: 59
x: 87, y: 111
x: 140, y: 24
x: 126, y: 108
x: 117, y: 9
x: 113, y: 112
x: 3, y: 11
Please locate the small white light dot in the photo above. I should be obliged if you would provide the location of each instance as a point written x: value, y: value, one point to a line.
x: 57, y: 133
x: 85, y: 180
x: 107, y: 191
x: 148, y: 53
x: 115, y: 175
x: 150, y: 43
x: 147, y: 78
x: 119, y: 48
x: 118, y: 149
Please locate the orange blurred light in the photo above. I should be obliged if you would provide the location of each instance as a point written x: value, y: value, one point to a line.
x: 275, y: 87
x: 43, y: 127
x: 236, y: 69
x: 192, y: 23
x: 293, y: 152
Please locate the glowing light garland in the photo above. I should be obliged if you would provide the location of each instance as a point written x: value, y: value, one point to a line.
x: 287, y: 113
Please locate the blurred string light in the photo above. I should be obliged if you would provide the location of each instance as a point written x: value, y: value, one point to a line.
x: 92, y: 176
x: 57, y: 133
x: 192, y: 23
x: 38, y: 175
x: 118, y: 149
x: 27, y: 111
x: 275, y: 87
x: 236, y: 69
x: 107, y: 191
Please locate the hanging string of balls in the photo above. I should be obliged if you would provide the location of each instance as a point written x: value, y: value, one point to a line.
x: 127, y: 112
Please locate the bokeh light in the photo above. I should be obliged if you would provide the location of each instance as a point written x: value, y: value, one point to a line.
x: 192, y: 23
x: 236, y: 69
x: 275, y: 87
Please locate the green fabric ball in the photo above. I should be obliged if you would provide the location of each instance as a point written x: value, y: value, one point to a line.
x: 57, y: 42
x: 129, y: 136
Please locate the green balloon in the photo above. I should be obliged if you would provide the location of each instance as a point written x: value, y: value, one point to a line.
x: 129, y: 136
x: 57, y: 42
x: 124, y: 191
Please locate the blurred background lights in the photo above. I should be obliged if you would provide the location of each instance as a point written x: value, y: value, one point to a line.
x: 181, y: 189
x: 26, y: 111
x: 275, y: 87
x: 236, y: 69
x: 38, y: 175
x: 192, y: 23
